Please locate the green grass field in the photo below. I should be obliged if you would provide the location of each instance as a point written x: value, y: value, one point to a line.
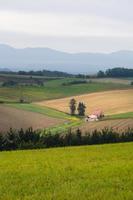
x: 121, y: 116
x: 54, y: 89
x: 42, y: 110
x: 101, y: 172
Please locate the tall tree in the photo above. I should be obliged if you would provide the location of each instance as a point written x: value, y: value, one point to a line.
x: 72, y: 106
x: 81, y: 109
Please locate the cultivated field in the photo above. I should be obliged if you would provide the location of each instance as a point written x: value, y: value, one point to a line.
x: 111, y: 102
x: 118, y: 125
x: 14, y: 118
x: 83, y: 173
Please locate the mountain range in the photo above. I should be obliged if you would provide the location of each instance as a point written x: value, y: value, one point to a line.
x: 49, y: 59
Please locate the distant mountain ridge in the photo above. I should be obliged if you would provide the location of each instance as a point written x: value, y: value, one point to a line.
x: 49, y: 59
x: 5, y: 70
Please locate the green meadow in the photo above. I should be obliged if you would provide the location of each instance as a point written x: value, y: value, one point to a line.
x: 121, y: 116
x: 102, y: 172
x: 42, y: 110
x: 55, y: 89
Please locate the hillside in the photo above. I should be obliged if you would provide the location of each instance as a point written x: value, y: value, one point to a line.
x: 45, y: 58
x: 13, y: 118
x: 95, y: 172
x: 55, y: 89
x: 110, y: 102
x: 96, y: 93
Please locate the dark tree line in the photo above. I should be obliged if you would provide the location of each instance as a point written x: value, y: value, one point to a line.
x: 116, y: 72
x: 30, y: 139
x: 75, y: 82
x: 40, y: 73
x: 30, y: 82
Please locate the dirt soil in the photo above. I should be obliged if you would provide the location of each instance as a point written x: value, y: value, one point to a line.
x: 14, y: 118
x: 119, y: 125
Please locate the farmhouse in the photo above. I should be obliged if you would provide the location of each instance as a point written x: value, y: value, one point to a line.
x: 95, y: 116
x: 98, y: 113
x: 91, y: 118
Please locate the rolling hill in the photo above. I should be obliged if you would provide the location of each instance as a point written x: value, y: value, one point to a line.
x: 45, y: 58
x: 110, y: 102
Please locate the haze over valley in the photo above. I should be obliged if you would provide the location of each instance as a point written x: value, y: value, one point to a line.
x: 50, y: 59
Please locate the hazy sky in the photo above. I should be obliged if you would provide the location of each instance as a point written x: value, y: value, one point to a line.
x: 68, y: 25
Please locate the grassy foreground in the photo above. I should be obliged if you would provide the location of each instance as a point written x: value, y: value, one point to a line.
x: 88, y: 173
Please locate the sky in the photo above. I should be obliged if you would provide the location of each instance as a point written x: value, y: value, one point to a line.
x: 68, y: 25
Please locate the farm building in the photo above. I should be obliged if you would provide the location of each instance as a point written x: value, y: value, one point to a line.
x: 91, y: 118
x: 95, y: 116
x: 98, y: 113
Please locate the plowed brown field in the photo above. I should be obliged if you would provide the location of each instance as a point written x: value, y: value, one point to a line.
x: 119, y: 125
x: 14, y: 118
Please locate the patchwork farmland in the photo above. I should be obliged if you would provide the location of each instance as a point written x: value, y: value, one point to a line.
x: 113, y: 96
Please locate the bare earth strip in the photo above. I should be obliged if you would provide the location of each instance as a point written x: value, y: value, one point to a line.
x: 12, y: 117
x: 111, y: 102
x: 119, y: 125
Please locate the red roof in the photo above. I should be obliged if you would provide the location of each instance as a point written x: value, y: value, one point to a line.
x: 98, y: 113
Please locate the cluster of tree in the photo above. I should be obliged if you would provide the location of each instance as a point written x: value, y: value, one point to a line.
x: 80, y: 107
x: 30, y: 82
x: 74, y: 82
x: 30, y: 139
x: 82, y: 76
x: 116, y: 72
x: 85, y: 76
x: 10, y: 83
